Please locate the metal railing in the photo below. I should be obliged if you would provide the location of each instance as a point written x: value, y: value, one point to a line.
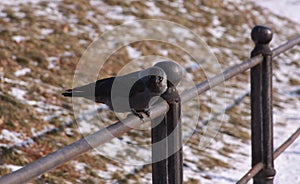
x: 170, y: 170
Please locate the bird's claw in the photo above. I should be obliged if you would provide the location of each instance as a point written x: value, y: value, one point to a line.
x: 147, y: 112
x: 140, y: 114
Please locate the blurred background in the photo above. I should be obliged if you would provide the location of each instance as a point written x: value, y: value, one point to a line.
x: 41, y: 43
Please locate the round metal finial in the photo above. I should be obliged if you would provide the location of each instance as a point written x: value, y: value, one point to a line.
x: 261, y: 35
x: 173, y: 71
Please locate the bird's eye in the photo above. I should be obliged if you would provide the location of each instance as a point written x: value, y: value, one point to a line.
x: 160, y: 78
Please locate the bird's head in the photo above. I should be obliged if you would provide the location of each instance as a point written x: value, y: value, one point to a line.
x: 155, y: 79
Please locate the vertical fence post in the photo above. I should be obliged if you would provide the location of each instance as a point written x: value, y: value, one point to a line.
x: 174, y: 140
x: 256, y: 114
x: 166, y: 136
x: 159, y: 151
x: 267, y: 110
x: 261, y: 106
x: 167, y: 142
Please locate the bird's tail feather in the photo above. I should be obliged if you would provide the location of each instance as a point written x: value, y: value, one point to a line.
x: 67, y: 94
x: 71, y: 93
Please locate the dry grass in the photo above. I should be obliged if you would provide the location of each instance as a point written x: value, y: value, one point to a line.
x: 46, y: 84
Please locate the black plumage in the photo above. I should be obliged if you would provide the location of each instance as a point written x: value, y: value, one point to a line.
x: 134, y: 92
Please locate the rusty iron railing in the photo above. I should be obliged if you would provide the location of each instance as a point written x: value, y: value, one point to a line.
x: 169, y: 170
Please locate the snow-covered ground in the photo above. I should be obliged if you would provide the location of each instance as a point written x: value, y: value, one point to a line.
x: 287, y: 8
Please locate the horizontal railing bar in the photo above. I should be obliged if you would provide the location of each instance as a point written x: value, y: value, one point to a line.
x: 284, y: 47
x: 287, y: 143
x: 219, y: 78
x: 72, y: 151
x: 251, y: 173
x: 102, y: 136
x: 259, y: 166
x: 233, y: 71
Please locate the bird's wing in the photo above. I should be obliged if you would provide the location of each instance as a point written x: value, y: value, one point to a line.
x: 123, y: 84
x: 103, y: 87
x: 138, y: 87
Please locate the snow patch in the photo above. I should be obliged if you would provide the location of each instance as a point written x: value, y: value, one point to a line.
x: 52, y: 62
x: 153, y: 9
x: 18, y: 2
x: 11, y: 136
x: 184, y: 33
x: 80, y: 166
x: 22, y: 83
x: 104, y: 174
x: 216, y: 32
x: 12, y: 167
x: 45, y: 31
x: 18, y: 93
x: 116, y: 13
x: 18, y: 38
x: 164, y: 52
x: 216, y: 21
x: 289, y: 8
x: 22, y: 72
x: 287, y: 163
x: 133, y: 52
